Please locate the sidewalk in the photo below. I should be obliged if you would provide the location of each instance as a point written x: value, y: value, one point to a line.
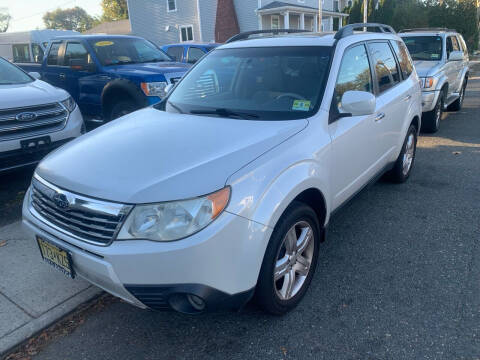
x: 33, y: 294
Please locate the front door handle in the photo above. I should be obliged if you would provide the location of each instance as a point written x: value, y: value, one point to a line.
x: 62, y: 76
x: 408, y: 97
x: 379, y: 116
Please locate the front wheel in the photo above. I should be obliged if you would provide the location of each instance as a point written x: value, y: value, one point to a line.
x: 457, y: 104
x: 122, y: 108
x: 404, y: 164
x: 431, y: 119
x: 290, y: 260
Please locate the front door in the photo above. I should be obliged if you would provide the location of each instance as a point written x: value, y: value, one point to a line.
x: 54, y: 73
x: 356, y: 152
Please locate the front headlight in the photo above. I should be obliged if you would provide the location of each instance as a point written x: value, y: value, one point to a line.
x: 69, y: 104
x: 173, y: 220
x: 154, y: 88
x: 428, y: 82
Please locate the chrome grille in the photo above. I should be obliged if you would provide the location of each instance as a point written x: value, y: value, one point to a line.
x: 45, y: 118
x: 86, y: 219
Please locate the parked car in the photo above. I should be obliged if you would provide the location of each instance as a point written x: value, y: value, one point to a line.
x: 35, y: 117
x: 441, y: 59
x: 188, y: 52
x: 227, y: 188
x: 109, y: 76
x: 28, y: 46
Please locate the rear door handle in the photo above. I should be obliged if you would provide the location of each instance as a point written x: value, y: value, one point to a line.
x: 379, y: 116
x: 62, y: 76
x: 408, y: 97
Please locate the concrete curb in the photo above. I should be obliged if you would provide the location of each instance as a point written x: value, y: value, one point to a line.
x: 23, y: 333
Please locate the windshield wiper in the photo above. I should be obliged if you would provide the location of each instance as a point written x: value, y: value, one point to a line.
x: 153, y: 60
x: 226, y: 113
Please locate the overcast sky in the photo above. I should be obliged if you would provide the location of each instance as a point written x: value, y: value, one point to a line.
x: 27, y: 14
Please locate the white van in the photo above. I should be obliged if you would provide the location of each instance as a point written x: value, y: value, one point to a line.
x: 28, y: 46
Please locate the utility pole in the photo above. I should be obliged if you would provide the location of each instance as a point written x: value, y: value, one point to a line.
x: 320, y: 15
x: 365, y: 11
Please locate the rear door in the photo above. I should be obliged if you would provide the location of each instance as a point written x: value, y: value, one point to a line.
x: 451, y: 67
x: 54, y: 73
x: 356, y: 152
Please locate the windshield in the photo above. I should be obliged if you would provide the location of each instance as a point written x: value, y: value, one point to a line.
x: 424, y: 47
x: 10, y: 74
x: 273, y: 83
x: 127, y: 51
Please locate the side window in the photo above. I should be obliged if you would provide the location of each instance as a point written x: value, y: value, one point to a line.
x: 186, y: 33
x: 401, y: 51
x: 455, y: 44
x: 37, y: 53
x: 452, y: 45
x: 386, y: 71
x: 75, y: 51
x: 175, y: 52
x: 354, y: 73
x: 21, y: 53
x: 53, y: 55
x: 194, y: 54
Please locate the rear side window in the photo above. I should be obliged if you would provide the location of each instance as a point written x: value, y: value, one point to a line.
x: 462, y: 43
x: 386, y: 71
x: 53, y: 54
x: 21, y: 53
x: 194, y: 54
x: 354, y: 72
x: 37, y: 53
x: 175, y: 52
x: 75, y: 51
x: 452, y: 45
x: 401, y: 51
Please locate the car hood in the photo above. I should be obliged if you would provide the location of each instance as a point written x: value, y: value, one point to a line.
x: 152, y: 156
x: 150, y: 68
x: 34, y: 93
x: 426, y: 68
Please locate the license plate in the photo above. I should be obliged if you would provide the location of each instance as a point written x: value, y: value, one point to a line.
x: 35, y: 143
x: 59, y: 258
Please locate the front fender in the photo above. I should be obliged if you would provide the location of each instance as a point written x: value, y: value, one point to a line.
x: 463, y: 76
x: 125, y: 86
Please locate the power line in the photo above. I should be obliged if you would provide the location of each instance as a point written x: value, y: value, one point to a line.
x: 43, y: 12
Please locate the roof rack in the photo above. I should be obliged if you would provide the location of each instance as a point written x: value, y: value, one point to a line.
x: 245, y: 35
x: 347, y: 30
x: 427, y: 29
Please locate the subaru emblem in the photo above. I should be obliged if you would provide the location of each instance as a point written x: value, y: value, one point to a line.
x: 26, y: 116
x: 61, y: 201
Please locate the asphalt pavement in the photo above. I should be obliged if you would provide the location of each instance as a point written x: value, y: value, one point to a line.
x: 398, y: 278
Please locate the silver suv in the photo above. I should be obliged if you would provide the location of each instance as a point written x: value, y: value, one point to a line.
x: 441, y: 60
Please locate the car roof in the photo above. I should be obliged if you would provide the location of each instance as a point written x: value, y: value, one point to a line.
x: 307, y: 39
x: 427, y: 33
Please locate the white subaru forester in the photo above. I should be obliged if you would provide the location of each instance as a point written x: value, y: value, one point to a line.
x: 225, y: 188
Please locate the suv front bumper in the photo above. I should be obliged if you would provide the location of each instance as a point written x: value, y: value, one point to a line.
x: 219, y: 264
x: 429, y: 100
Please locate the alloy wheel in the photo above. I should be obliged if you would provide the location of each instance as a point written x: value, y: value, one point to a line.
x: 294, y: 259
x: 409, y: 153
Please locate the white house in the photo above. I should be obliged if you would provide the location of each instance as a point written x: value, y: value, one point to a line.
x: 171, y: 21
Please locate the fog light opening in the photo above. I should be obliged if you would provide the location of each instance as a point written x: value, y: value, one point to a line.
x: 196, y: 302
x: 187, y: 303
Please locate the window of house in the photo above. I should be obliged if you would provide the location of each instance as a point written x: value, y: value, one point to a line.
x: 53, y: 55
x: 405, y: 63
x: 21, y: 53
x: 75, y: 51
x: 194, y: 54
x: 37, y: 53
x: 175, y: 52
x: 275, y: 22
x: 336, y: 7
x: 387, y: 74
x: 186, y: 33
x: 171, y: 5
x: 354, y: 73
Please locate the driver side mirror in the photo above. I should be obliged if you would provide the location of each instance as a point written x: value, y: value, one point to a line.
x: 358, y: 103
x: 456, y: 56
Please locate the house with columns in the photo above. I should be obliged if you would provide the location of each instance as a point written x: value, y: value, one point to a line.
x: 173, y: 21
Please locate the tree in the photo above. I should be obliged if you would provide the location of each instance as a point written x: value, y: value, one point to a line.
x: 114, y: 10
x: 356, y: 12
x: 69, y: 19
x: 4, y: 20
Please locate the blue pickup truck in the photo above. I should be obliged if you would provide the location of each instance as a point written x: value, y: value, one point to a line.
x: 108, y: 76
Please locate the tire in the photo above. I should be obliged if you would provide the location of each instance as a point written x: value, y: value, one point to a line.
x: 431, y: 119
x: 405, y: 161
x: 457, y: 104
x: 122, y: 108
x: 277, y: 297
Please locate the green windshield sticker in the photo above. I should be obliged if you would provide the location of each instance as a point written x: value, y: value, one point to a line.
x: 301, y: 105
